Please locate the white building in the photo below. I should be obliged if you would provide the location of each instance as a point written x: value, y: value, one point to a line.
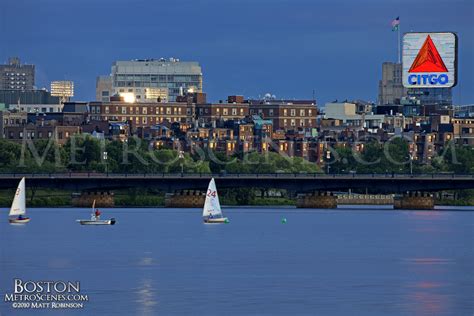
x: 148, y: 80
x: 37, y: 108
x: 346, y: 112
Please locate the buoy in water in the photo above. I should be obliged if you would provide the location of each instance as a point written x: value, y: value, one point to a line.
x: 283, y: 220
x: 226, y: 221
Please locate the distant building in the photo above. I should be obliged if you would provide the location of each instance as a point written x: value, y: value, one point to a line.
x: 151, y: 80
x: 432, y: 96
x: 103, y: 88
x: 346, y: 112
x: 391, y: 89
x: 286, y: 114
x: 62, y: 89
x: 37, y: 108
x: 10, y: 119
x: 9, y: 97
x: 15, y: 76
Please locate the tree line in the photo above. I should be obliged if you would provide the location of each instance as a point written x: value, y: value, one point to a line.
x: 84, y: 153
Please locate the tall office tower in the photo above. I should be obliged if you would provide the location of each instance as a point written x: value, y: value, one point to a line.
x: 391, y: 89
x: 148, y: 80
x: 15, y: 76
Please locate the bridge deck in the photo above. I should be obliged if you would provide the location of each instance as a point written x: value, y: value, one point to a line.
x: 301, y: 182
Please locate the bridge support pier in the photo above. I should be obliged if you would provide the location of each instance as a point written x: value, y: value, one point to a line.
x: 86, y: 198
x: 316, y: 200
x: 414, y: 201
x: 185, y: 198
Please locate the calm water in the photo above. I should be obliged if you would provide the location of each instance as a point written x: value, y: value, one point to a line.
x: 321, y: 262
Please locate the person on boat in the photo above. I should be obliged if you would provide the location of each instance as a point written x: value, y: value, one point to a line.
x: 20, y: 217
x: 97, y: 213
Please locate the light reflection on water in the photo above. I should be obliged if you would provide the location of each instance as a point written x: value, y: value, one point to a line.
x: 146, y: 298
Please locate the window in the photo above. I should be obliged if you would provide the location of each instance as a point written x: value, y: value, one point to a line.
x: 106, y: 110
x: 225, y: 111
x: 293, y: 122
x: 285, y: 112
x: 144, y: 110
x: 301, y: 112
x: 234, y: 111
x: 270, y: 112
x: 292, y: 112
x: 124, y: 110
x: 168, y: 110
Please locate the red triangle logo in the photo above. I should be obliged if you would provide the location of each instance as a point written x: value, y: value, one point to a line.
x: 428, y: 59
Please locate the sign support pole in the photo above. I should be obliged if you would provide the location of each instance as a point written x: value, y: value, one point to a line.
x: 399, y: 53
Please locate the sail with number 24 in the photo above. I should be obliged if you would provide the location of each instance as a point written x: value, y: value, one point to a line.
x: 212, y: 212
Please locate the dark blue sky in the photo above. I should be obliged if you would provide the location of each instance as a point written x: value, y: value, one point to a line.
x: 249, y: 47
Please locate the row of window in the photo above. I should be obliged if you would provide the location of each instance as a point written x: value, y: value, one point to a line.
x: 158, y: 77
x: 176, y: 84
x: 144, y: 110
x: 293, y: 122
x: 302, y: 112
x: 32, y: 135
x: 13, y: 74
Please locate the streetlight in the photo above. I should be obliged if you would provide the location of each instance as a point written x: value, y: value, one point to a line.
x: 411, y: 163
x: 328, y: 157
x: 104, y: 157
x: 181, y: 157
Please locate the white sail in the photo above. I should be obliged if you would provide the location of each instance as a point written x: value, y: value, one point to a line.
x: 212, y: 205
x: 19, y: 201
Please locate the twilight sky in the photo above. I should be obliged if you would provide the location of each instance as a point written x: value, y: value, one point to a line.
x: 249, y: 47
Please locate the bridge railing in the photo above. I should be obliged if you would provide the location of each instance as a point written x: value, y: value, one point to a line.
x: 232, y: 175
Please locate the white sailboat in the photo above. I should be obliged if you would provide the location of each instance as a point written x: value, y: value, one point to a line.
x: 212, y: 212
x: 95, y: 218
x: 18, y: 208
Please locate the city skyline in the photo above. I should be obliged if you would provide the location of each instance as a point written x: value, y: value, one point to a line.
x: 250, y: 53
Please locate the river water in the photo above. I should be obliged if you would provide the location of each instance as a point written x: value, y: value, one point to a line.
x: 356, y: 261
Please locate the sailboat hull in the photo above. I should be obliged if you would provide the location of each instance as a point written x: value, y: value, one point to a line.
x: 220, y: 220
x: 19, y: 221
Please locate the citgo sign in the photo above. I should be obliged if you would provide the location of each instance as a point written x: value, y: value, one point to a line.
x: 429, y: 60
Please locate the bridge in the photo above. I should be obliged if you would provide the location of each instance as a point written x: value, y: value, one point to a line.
x: 300, y: 182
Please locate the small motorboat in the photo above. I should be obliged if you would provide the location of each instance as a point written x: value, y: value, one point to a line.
x: 97, y: 221
x: 18, y: 208
x: 212, y: 213
x: 95, y: 218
